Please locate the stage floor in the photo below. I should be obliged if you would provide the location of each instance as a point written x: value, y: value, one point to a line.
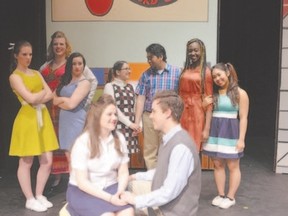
x: 261, y: 193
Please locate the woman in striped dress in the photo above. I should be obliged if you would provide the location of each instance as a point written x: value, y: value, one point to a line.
x: 226, y: 140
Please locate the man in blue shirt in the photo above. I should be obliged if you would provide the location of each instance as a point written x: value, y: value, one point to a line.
x: 160, y: 76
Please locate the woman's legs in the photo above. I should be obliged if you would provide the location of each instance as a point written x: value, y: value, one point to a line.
x: 45, y: 162
x: 234, y: 176
x: 108, y: 214
x: 126, y: 212
x: 24, y: 176
x: 219, y: 175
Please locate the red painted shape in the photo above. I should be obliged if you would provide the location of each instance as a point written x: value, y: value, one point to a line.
x: 99, y: 7
x: 285, y: 8
x: 153, y: 3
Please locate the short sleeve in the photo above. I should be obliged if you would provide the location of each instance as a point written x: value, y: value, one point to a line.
x: 80, y: 152
x: 141, y: 86
x: 124, y: 149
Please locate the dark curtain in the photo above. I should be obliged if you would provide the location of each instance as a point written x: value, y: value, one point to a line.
x: 19, y: 20
x: 249, y: 38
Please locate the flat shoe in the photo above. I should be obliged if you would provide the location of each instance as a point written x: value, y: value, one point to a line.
x: 217, y: 200
x: 43, y: 200
x: 35, y: 205
x: 227, y: 203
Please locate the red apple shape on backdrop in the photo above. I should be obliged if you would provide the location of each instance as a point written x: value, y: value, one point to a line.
x: 99, y: 7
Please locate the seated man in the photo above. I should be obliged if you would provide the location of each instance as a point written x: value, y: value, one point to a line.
x: 176, y: 180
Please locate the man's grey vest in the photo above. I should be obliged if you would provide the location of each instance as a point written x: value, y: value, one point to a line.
x: 186, y: 204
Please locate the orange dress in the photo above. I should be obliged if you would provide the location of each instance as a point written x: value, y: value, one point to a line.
x: 193, y: 116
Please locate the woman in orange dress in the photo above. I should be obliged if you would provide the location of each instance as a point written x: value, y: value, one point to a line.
x: 196, y: 83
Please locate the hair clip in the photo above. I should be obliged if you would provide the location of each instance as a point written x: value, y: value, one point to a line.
x: 11, y: 47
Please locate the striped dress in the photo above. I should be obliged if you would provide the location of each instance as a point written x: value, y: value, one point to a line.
x: 224, y: 131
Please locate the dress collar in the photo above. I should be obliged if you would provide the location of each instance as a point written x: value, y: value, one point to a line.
x: 119, y: 82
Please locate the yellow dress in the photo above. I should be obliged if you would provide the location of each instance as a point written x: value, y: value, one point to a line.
x: 28, y: 137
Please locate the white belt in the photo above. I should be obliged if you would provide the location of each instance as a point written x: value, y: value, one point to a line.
x: 38, y: 108
x: 225, y: 115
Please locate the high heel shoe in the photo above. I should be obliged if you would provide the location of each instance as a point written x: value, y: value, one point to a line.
x: 53, y: 189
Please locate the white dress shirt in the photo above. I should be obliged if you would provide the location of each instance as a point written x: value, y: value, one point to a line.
x: 102, y: 170
x: 180, y: 167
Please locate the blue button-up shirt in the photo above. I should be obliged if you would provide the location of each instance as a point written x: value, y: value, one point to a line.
x: 152, y: 81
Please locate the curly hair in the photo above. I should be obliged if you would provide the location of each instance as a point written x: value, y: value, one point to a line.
x: 50, y: 53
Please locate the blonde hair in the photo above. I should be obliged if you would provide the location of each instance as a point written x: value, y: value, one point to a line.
x: 50, y: 53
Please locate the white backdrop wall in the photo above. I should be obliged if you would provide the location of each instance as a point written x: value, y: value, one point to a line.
x: 282, y: 146
x: 103, y: 43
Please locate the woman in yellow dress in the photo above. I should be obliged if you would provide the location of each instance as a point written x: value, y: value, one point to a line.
x: 33, y: 133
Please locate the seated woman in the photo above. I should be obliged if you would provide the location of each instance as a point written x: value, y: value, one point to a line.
x: 99, y: 165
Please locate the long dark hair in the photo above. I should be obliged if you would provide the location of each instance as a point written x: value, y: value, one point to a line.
x: 232, y: 90
x: 92, y: 125
x: 67, y: 76
x: 15, y: 51
x: 203, y: 63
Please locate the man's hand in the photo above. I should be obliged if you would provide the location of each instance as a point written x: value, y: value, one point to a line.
x: 116, y: 200
x: 207, y: 100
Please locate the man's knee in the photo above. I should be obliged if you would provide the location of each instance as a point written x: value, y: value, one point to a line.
x: 139, y: 187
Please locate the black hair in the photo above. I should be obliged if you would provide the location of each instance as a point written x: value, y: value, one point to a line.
x: 67, y: 76
x: 203, y: 63
x: 157, y: 50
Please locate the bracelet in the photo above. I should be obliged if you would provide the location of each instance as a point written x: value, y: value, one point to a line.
x: 110, y: 198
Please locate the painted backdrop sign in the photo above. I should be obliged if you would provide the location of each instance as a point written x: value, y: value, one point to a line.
x: 129, y: 10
